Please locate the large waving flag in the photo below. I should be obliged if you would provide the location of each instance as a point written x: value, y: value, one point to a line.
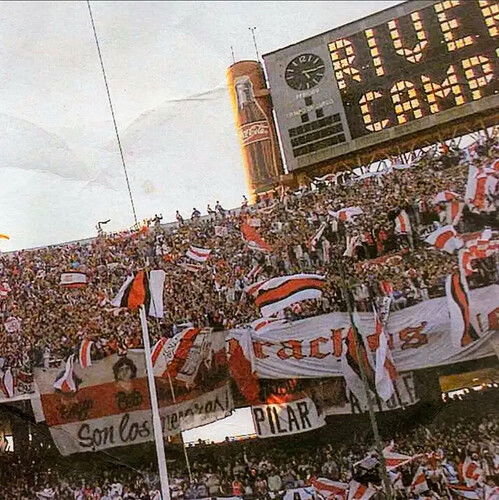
x: 385, y: 368
x: 73, y: 280
x: 403, y: 223
x: 253, y: 238
x: 353, y: 354
x: 445, y: 238
x: 394, y: 460
x: 66, y: 381
x: 312, y: 242
x: 419, y: 484
x: 454, y: 212
x: 275, y: 294
x: 472, y: 472
x: 198, y: 254
x: 445, y: 197
x: 143, y: 288
x: 462, y: 329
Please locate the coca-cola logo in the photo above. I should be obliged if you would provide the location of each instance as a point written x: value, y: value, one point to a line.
x: 256, y: 131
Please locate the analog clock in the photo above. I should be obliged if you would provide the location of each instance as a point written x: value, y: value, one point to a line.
x: 304, y: 71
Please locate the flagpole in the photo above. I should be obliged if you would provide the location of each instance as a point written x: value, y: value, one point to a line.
x: 370, y: 406
x: 187, y: 462
x: 156, y: 421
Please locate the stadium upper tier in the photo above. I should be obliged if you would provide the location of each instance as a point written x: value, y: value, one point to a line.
x: 308, y: 232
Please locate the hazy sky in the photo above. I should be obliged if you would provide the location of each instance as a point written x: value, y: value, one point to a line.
x: 60, y: 171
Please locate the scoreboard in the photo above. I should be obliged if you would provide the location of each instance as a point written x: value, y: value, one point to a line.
x: 412, y: 67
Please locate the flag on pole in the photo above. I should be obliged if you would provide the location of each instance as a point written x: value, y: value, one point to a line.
x: 346, y: 214
x: 444, y: 197
x: 7, y: 383
x: 472, y: 472
x: 453, y: 212
x: 445, y: 238
x: 66, y: 381
x: 351, y: 368
x: 253, y: 238
x: 465, y: 259
x: 358, y: 491
x: 385, y: 367
x: 402, y: 223
x: 198, y: 254
x: 191, y: 267
x: 143, y: 288
x: 275, y: 294
x: 84, y: 356
x: 462, y: 329
x: 312, y: 242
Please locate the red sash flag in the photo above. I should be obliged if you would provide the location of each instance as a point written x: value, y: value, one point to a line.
x: 7, y: 383
x: 330, y: 490
x: 402, y: 223
x: 358, y: 491
x: 253, y: 238
x: 347, y: 214
x: 66, y: 381
x: 193, y: 268
x: 143, y: 288
x: 465, y: 259
x: 84, y: 356
x: 385, y: 368
x: 472, y: 472
x: 419, y: 484
x: 394, y: 460
x: 198, y: 254
x: 445, y: 238
x: 462, y: 330
x: 454, y: 212
x: 275, y: 294
x: 312, y: 242
x: 444, y: 197
x: 73, y: 280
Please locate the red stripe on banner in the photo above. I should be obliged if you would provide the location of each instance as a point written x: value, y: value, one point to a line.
x: 157, y: 350
x: 286, y: 289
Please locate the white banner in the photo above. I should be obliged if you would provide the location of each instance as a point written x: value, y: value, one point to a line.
x: 419, y: 337
x: 282, y: 419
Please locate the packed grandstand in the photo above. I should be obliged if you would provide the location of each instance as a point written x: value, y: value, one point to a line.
x: 369, y: 240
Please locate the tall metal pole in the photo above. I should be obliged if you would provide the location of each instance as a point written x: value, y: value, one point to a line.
x: 112, y: 114
x: 253, y: 29
x: 370, y: 406
x: 187, y: 462
x: 156, y: 421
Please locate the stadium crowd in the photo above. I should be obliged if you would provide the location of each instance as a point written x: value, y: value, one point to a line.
x: 462, y: 433
x: 44, y: 322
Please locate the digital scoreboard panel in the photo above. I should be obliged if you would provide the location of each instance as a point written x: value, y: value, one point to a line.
x: 412, y: 67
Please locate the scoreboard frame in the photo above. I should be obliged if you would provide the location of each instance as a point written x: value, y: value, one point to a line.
x: 455, y: 92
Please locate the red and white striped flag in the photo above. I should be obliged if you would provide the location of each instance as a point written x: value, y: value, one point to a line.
x: 255, y: 271
x: 157, y: 349
x: 402, y: 223
x: 472, y: 472
x: 479, y: 186
x: 253, y: 238
x: 191, y: 267
x: 4, y: 289
x: 394, y: 460
x: 73, y: 280
x: 330, y: 490
x: 276, y: 294
x: 198, y: 254
x: 7, y: 383
x: 385, y: 367
x: 444, y: 197
x: 326, y: 178
x: 346, y: 214
x: 84, y: 356
x: 454, y: 212
x: 463, y: 329
x: 358, y: 491
x: 419, y: 484
x: 66, y: 382
x: 445, y: 238
x: 463, y: 491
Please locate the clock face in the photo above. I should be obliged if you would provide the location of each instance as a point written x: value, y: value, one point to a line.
x: 304, y: 72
